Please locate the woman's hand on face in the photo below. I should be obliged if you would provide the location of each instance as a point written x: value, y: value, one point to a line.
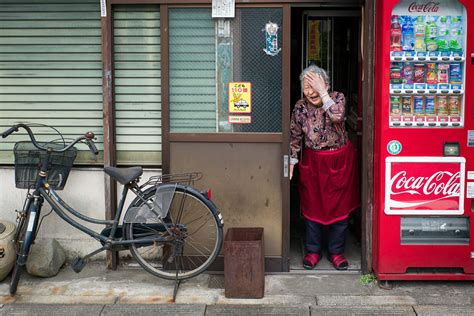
x: 317, y: 83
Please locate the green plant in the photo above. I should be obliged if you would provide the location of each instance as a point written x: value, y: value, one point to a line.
x: 367, y: 279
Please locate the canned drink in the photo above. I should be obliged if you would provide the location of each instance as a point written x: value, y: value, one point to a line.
x: 395, y: 74
x: 407, y: 105
x: 429, y: 105
x: 454, y: 105
x: 431, y: 73
x: 418, y: 105
x: 395, y: 105
x: 407, y: 73
x: 443, y: 71
x: 419, y: 73
x: 455, y: 73
x: 441, y: 105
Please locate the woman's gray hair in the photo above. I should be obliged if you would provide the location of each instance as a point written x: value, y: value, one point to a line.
x: 316, y: 70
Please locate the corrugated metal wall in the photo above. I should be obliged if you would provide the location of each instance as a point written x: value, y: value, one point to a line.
x: 192, y: 71
x: 50, y: 67
x: 137, y: 83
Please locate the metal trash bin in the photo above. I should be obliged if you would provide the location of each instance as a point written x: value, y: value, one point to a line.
x: 244, y: 263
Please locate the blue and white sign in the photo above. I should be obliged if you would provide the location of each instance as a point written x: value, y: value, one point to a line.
x: 271, y: 39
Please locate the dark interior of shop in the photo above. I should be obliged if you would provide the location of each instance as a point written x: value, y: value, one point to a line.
x: 335, y: 47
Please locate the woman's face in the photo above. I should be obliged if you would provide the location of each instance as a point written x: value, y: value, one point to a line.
x: 311, y: 94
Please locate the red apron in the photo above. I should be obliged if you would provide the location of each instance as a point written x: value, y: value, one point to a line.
x: 329, y: 188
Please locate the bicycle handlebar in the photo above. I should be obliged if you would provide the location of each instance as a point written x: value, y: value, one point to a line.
x: 9, y: 131
x: 88, y: 137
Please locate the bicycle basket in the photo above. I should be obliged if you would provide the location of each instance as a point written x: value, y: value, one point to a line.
x: 28, y: 160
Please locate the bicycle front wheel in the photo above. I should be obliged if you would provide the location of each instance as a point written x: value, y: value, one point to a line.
x: 194, y: 244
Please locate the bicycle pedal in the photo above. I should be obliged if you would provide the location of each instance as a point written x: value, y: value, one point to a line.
x: 78, y: 264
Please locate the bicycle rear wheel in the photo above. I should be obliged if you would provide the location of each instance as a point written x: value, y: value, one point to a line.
x: 191, y: 217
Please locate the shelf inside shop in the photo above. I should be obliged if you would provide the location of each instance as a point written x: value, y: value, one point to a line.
x: 427, y: 91
x: 427, y: 58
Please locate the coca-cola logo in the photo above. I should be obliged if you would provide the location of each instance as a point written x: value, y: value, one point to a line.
x: 443, y: 183
x: 424, y: 7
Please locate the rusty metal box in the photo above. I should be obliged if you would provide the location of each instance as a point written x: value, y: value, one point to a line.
x: 244, y: 263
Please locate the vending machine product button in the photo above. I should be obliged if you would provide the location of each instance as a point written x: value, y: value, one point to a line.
x: 420, y: 124
x: 396, y: 123
x: 420, y: 91
x: 434, y: 58
x: 408, y: 124
x: 456, y: 91
x: 408, y: 91
x: 432, y: 91
x: 444, y: 124
x: 456, y: 124
x: 397, y: 91
x: 397, y: 58
x: 445, y: 58
x: 432, y: 124
x: 444, y: 91
x: 457, y: 58
x: 421, y: 58
x: 410, y: 58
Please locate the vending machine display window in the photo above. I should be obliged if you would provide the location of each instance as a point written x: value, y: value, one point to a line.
x: 427, y: 64
x: 430, y: 230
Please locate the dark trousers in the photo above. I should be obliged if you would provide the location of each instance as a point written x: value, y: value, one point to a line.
x: 336, y: 236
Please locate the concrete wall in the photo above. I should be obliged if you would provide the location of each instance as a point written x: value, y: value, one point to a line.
x: 84, y: 192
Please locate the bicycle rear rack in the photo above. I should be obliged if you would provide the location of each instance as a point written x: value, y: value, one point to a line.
x: 181, y: 178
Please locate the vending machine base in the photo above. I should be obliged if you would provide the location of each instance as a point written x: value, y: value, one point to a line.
x: 425, y: 277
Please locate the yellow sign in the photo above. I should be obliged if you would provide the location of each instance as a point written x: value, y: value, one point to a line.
x: 240, y: 97
x: 314, y: 53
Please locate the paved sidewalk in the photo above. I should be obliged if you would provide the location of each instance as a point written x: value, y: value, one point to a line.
x: 132, y: 291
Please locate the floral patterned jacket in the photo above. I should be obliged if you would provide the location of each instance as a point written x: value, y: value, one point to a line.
x: 322, y: 128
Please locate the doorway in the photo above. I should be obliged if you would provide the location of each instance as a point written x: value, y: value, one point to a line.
x: 330, y: 39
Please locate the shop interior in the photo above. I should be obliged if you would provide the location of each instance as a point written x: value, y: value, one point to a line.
x: 330, y: 39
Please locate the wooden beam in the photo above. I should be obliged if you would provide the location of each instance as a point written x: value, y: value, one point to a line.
x: 368, y: 26
x: 165, y: 92
x: 110, y: 186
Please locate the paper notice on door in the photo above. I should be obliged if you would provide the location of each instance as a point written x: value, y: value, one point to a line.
x: 470, y: 190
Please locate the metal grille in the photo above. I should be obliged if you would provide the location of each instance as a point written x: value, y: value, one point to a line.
x: 252, y: 64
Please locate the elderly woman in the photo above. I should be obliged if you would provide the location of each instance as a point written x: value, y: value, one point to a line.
x: 328, y: 176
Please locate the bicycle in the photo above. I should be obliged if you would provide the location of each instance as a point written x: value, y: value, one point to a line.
x: 171, y: 229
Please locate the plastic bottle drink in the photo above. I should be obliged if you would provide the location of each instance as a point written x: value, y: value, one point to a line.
x: 408, y: 35
x: 419, y: 28
x: 431, y: 33
x: 395, y: 35
x: 443, y: 34
x: 455, y: 39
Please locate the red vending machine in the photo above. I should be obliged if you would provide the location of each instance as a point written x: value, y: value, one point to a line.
x: 424, y: 141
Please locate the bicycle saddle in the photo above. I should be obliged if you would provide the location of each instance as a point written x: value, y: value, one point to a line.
x: 124, y: 175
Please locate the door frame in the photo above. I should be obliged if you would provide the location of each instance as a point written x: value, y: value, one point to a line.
x: 365, y: 119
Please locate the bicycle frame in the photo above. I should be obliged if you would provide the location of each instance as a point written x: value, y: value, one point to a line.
x: 53, y: 199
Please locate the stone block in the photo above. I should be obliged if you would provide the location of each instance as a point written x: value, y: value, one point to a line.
x: 46, y: 257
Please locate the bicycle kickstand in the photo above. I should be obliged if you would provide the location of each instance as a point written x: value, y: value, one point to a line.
x: 176, y: 286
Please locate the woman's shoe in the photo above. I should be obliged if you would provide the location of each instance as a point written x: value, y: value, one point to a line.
x: 310, y: 260
x: 339, y: 261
